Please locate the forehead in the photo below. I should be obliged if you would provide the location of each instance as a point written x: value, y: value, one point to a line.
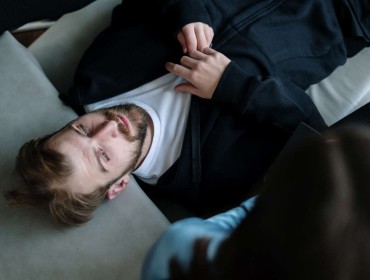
x: 100, y: 114
x: 93, y: 116
x: 69, y: 143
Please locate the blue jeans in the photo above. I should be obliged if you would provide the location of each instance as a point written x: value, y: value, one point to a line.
x: 178, y: 240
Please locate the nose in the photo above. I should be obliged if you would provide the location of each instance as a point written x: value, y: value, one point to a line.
x: 107, y: 129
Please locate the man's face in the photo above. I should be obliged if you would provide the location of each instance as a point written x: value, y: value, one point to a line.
x: 102, y: 146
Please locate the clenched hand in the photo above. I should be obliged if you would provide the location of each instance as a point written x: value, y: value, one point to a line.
x: 202, y: 70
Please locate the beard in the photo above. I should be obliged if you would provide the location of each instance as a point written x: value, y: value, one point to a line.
x: 139, y: 120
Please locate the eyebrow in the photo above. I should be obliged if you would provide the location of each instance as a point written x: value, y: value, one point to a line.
x: 96, y: 154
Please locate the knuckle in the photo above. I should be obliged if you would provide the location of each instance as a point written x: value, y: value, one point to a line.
x: 193, y: 77
x: 217, y: 55
x: 208, y: 59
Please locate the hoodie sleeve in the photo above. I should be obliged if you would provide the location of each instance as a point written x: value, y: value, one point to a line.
x: 267, y: 99
x: 178, y: 13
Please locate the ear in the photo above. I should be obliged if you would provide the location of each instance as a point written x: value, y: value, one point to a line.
x: 118, y: 186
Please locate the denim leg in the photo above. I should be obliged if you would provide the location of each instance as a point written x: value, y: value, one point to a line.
x: 178, y: 242
x: 231, y: 219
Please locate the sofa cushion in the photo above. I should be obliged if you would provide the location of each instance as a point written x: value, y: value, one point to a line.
x: 112, y: 245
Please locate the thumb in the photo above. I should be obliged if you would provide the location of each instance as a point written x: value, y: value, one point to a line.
x: 187, y: 87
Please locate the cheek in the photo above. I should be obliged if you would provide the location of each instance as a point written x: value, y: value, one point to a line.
x: 123, y: 153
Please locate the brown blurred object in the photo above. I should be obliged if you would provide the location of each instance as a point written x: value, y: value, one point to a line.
x: 26, y: 38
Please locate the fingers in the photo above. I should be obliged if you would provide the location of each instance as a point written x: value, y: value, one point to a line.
x: 197, y: 55
x: 187, y: 87
x: 188, y: 36
x: 182, y: 41
x: 195, y: 36
x: 209, y: 51
x: 185, y: 73
x: 201, y: 70
x: 178, y: 70
x: 201, y: 38
x: 187, y: 63
x: 209, y: 35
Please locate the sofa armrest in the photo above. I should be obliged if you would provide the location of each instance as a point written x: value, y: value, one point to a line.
x: 61, y: 47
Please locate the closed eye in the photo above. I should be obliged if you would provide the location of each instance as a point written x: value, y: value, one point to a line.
x: 83, y: 129
x: 99, y: 153
x: 104, y: 154
x: 80, y: 129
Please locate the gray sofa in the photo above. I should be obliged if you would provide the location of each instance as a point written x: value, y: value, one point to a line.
x: 113, y: 245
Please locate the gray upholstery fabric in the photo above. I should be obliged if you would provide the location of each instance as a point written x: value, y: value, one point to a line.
x: 32, y: 246
x: 61, y: 47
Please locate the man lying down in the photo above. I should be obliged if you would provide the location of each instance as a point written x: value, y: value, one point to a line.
x: 193, y: 123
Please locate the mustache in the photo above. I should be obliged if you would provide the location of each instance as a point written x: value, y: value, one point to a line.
x: 141, y: 126
x: 111, y: 115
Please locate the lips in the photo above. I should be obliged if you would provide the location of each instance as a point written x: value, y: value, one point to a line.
x: 126, y: 123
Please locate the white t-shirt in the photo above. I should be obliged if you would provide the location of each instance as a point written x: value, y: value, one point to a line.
x: 169, y: 112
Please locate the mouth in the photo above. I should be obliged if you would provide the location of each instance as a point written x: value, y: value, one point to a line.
x: 126, y: 123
